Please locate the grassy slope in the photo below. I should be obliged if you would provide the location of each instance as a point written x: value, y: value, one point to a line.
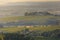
x: 14, y: 29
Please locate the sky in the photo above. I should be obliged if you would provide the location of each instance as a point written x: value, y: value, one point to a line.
x: 4, y: 2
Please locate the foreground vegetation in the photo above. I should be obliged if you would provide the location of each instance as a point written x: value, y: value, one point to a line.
x: 27, y: 34
x: 30, y: 33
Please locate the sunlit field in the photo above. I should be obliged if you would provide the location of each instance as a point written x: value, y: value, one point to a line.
x: 16, y: 29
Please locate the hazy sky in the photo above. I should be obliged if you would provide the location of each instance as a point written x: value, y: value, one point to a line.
x: 3, y: 2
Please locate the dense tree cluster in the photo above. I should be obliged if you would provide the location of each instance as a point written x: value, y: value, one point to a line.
x: 37, y: 13
x: 16, y: 36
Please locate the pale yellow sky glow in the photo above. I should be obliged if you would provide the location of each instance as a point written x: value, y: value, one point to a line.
x: 3, y: 2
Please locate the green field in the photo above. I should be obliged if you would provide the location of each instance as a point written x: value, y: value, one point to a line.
x: 29, y: 18
x: 15, y: 18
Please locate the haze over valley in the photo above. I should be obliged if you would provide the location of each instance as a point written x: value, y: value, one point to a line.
x: 19, y: 8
